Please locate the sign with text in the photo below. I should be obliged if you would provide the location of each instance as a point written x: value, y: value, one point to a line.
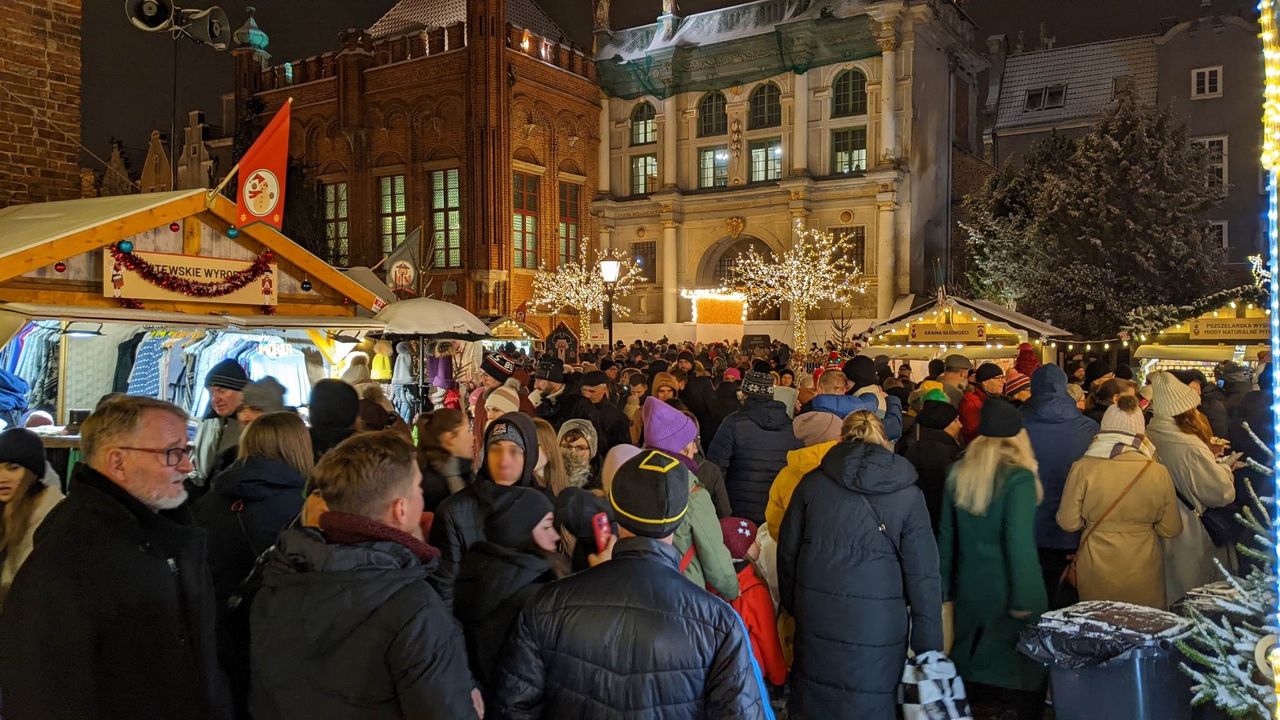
x: 119, y: 281
x: 935, y: 333
x: 1230, y: 328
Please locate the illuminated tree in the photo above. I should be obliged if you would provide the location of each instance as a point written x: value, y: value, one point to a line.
x: 579, y: 285
x: 817, y: 268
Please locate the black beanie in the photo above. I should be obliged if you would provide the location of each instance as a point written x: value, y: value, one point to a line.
x: 1000, y: 419
x: 1094, y: 371
x: 989, y: 371
x: 861, y: 371
x: 937, y: 415
x: 334, y: 404
x: 226, y: 374
x: 22, y: 447
x: 513, y: 514
x: 650, y: 494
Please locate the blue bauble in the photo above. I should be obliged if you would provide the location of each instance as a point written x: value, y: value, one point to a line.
x: 126, y: 246
x: 233, y: 232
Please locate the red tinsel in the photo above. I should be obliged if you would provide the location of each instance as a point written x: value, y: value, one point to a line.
x: 268, y: 309
x: 129, y: 303
x: 193, y: 288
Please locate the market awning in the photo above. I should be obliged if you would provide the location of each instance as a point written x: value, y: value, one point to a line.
x: 267, y: 322
x: 981, y: 307
x: 69, y: 313
x: 1198, y: 353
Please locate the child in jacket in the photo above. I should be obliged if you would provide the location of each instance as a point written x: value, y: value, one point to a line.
x: 754, y: 604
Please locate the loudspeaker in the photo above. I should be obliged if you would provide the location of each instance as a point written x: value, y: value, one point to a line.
x: 150, y: 15
x: 207, y: 27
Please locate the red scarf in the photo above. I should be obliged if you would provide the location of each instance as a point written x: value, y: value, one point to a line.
x: 347, y: 529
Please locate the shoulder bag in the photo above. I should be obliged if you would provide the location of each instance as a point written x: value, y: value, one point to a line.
x: 1069, y: 574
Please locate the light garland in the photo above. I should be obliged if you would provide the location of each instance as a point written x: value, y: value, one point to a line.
x: 580, y: 286
x: 697, y: 294
x: 815, y: 269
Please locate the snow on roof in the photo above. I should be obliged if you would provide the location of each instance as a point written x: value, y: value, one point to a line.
x: 23, y: 227
x: 1087, y: 71
x: 410, y: 15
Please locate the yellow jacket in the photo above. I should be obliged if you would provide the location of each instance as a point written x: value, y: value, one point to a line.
x: 799, y: 463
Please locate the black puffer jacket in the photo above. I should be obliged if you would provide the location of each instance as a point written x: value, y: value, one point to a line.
x: 930, y: 452
x: 493, y: 585
x: 354, y: 632
x: 751, y: 446
x: 848, y: 588
x: 629, y: 639
x: 568, y: 405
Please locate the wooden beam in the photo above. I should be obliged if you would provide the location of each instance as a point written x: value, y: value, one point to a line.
x: 99, y: 236
x: 191, y: 232
x: 71, y: 298
x: 317, y: 270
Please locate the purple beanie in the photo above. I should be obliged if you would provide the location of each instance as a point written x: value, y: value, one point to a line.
x: 666, y: 428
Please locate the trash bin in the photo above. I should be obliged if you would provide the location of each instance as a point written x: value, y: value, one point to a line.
x: 1112, y: 661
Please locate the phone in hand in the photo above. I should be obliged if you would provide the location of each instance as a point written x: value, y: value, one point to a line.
x: 602, y: 529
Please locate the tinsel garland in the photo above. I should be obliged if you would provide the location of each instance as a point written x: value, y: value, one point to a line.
x: 193, y: 288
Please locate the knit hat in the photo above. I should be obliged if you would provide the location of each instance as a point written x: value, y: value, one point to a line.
x: 550, y: 369
x: 513, y: 514
x: 595, y: 377
x: 957, y: 362
x: 1000, y: 419
x: 614, y: 459
x: 22, y: 447
x: 739, y: 535
x: 650, y: 493
x: 333, y: 404
x: 665, y: 379
x: 812, y: 428
x: 918, y: 395
x: 373, y: 416
x: 226, y: 374
x: 666, y: 428
x: 733, y: 374
x: 586, y: 428
x: 758, y: 384
x: 988, y: 371
x: 937, y: 413
x: 265, y: 395
x: 503, y: 430
x: 861, y: 371
x: 787, y: 396
x: 504, y: 398
x: 686, y: 355
x: 1096, y: 370
x: 499, y: 366
x: 1028, y: 361
x: 1015, y: 382
x: 1117, y: 420
x: 1170, y: 396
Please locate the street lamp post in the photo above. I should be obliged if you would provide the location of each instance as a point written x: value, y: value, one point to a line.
x: 609, y: 272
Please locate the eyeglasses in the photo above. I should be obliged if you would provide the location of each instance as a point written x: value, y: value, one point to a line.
x: 173, y: 457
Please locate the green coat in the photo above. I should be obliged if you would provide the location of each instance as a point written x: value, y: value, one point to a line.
x: 990, y: 566
x: 712, y: 564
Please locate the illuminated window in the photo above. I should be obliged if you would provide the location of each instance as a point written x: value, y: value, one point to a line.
x: 644, y: 174
x: 849, y: 150
x: 570, y: 221
x: 446, y: 219
x: 392, y: 212
x: 644, y: 125
x: 766, y: 160
x: 337, y: 229
x: 713, y: 167
x: 524, y: 220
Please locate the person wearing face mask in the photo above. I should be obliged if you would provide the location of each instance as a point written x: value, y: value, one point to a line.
x: 27, y: 494
x: 498, y: 575
x: 578, y: 448
x: 219, y: 430
x: 117, y: 594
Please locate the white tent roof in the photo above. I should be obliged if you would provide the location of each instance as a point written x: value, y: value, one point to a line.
x: 23, y: 227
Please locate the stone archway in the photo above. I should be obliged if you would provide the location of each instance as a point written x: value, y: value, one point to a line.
x: 715, y: 266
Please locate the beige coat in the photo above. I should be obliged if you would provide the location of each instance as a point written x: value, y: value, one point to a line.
x: 1122, y: 559
x: 1188, y: 558
x: 45, y: 501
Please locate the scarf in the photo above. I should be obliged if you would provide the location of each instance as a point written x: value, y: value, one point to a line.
x: 347, y: 529
x: 1109, y: 444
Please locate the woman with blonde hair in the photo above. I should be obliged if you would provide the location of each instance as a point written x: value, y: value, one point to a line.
x: 1185, y: 445
x: 26, y: 497
x: 858, y: 570
x: 549, y: 472
x: 990, y: 567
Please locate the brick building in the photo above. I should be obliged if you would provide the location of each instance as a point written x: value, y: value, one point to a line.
x: 39, y: 101
x: 469, y: 118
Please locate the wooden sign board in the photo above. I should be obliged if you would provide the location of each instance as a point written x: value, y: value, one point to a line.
x: 119, y: 281
x: 1230, y: 328
x: 935, y: 333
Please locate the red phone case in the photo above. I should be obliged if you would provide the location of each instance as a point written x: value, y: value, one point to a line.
x: 602, y: 529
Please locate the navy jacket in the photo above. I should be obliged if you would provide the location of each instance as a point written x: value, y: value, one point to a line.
x: 751, y: 446
x: 1060, y: 435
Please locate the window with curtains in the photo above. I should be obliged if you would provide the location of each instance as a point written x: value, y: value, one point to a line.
x: 393, y: 211
x: 766, y: 107
x: 848, y: 150
x: 446, y: 219
x: 524, y: 221
x: 646, y: 256
x: 644, y: 125
x: 713, y: 167
x: 570, y: 221
x: 713, y: 118
x: 337, y: 229
x: 849, y: 94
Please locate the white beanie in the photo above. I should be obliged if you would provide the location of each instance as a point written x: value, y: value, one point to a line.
x: 503, y: 398
x: 1170, y: 396
x: 1117, y: 420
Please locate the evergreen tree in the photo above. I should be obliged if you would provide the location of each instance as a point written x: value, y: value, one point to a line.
x: 1114, y: 219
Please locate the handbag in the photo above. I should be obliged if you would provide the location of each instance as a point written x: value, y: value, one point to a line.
x: 1069, y: 573
x: 931, y: 689
x: 1219, y: 523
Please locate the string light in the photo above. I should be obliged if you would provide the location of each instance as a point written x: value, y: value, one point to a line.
x: 697, y: 295
x: 580, y: 286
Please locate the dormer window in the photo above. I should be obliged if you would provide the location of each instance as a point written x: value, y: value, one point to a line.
x: 1045, y: 98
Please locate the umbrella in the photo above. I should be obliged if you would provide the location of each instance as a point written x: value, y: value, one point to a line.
x: 433, y: 319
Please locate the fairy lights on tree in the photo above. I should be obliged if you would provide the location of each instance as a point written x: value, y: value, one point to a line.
x: 579, y: 285
x: 817, y: 268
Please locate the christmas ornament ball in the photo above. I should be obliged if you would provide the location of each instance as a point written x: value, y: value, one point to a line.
x: 126, y: 246
x: 233, y: 232
x: 60, y: 266
x: 306, y: 286
x: 174, y: 226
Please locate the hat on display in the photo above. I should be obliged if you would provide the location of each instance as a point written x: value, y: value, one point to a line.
x: 227, y: 374
x: 24, y: 448
x: 265, y: 395
x: 498, y: 365
x: 758, y: 384
x: 1170, y: 396
x: 739, y: 535
x: 1000, y: 419
x: 650, y: 494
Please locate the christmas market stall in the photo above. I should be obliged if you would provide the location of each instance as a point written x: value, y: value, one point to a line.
x: 144, y: 293
x: 1234, y: 324
x: 508, y: 330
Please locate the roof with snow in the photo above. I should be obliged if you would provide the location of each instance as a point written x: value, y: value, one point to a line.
x: 411, y: 15
x: 1086, y: 76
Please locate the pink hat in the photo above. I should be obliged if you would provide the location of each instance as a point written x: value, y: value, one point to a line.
x: 616, y: 458
x: 733, y: 374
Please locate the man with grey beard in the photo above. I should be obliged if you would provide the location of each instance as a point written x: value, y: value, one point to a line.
x: 112, y: 616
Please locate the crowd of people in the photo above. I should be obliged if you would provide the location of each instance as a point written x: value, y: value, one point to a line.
x: 654, y: 530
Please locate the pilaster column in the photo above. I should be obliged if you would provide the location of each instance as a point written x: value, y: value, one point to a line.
x: 888, y: 96
x: 800, y: 144
x: 669, y: 128
x: 606, y: 239
x: 886, y: 250
x: 602, y: 152
x: 670, y: 261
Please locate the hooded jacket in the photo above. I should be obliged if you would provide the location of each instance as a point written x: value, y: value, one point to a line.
x: 930, y: 452
x: 724, y: 403
x: 855, y: 551
x: 326, y: 608
x: 711, y: 564
x: 800, y: 463
x: 574, y: 655
x: 751, y: 446
x: 1060, y: 434
x: 1213, y: 403
x: 493, y: 585
x: 459, y: 519
x: 49, y: 496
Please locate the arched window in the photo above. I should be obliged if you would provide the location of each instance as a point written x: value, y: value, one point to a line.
x: 766, y: 107
x: 849, y: 94
x: 712, y: 117
x: 644, y: 128
x: 733, y: 252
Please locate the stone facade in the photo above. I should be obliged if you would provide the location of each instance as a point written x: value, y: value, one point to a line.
x: 842, y: 116
x: 39, y: 101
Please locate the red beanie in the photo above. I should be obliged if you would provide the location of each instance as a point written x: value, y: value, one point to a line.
x: 1028, y: 361
x: 739, y: 535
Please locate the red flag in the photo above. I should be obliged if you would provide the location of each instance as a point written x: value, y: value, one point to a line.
x: 262, y: 173
x: 522, y: 312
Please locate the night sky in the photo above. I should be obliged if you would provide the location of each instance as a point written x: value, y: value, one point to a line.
x: 128, y: 74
